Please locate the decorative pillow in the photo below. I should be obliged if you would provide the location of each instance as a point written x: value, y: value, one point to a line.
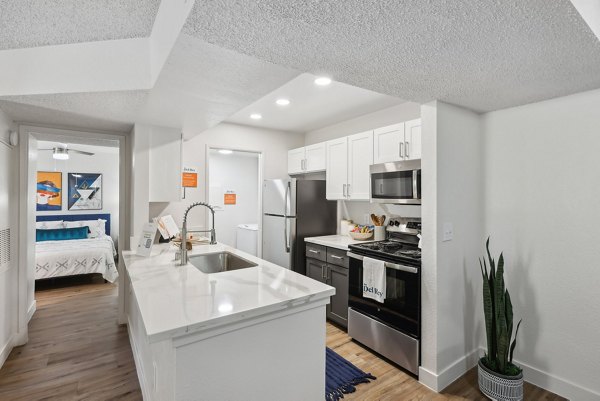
x: 48, y: 225
x: 97, y: 227
x: 61, y: 234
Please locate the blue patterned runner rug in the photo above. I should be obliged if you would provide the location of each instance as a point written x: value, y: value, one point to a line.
x: 342, y: 376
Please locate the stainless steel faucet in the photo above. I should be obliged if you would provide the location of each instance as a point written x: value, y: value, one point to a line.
x: 184, y: 231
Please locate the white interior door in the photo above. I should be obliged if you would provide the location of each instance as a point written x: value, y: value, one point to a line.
x: 412, y: 138
x: 388, y: 143
x: 337, y: 168
x: 360, y: 158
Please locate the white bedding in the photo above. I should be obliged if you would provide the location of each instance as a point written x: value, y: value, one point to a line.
x: 79, y: 256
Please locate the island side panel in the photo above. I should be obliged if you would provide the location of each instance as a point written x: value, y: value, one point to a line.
x: 154, y: 362
x: 280, y: 359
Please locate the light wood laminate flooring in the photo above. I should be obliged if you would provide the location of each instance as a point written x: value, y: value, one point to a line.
x: 76, y: 351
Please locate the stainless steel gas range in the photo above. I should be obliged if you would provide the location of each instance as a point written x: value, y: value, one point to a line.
x: 391, y: 328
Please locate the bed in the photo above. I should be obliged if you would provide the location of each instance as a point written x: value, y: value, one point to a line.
x: 59, y: 258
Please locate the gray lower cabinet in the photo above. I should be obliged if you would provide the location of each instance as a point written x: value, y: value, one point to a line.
x: 316, y: 269
x: 330, y: 266
x: 338, y: 307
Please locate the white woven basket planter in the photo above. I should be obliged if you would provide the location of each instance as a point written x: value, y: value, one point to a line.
x: 498, y: 387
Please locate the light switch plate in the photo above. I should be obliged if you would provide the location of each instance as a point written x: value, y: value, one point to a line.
x: 448, y: 234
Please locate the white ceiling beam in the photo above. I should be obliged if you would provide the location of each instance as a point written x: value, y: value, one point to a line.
x: 590, y: 12
x: 82, y: 67
x: 113, y: 65
x: 169, y: 21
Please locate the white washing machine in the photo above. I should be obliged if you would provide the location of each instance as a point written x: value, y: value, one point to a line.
x: 247, y: 238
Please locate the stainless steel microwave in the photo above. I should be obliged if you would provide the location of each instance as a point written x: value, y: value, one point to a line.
x: 396, y: 182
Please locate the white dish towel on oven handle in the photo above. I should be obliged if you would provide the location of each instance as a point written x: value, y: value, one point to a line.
x: 374, y: 279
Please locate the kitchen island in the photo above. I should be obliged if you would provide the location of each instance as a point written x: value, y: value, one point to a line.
x: 256, y: 333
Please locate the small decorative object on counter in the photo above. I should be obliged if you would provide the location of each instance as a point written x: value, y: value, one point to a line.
x: 345, y: 227
x: 379, y: 233
x: 361, y: 233
x: 499, y: 378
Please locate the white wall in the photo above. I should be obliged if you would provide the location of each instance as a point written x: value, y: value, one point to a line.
x: 140, y: 179
x: 273, y: 145
x: 8, y: 219
x: 104, y: 161
x: 451, y: 280
x: 356, y: 210
x: 237, y: 172
x: 542, y: 192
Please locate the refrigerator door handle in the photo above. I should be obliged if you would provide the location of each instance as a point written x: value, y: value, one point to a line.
x: 285, y: 219
x: 286, y: 238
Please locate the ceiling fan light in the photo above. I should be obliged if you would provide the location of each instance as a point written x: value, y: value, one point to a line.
x: 60, y: 154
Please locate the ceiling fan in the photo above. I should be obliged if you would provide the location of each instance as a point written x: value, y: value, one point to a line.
x: 61, y: 152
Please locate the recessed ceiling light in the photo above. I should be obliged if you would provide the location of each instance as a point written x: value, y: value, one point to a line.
x: 225, y: 151
x: 322, y: 81
x: 282, y: 102
x: 255, y: 116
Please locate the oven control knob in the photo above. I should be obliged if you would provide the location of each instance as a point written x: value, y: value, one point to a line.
x: 378, y: 310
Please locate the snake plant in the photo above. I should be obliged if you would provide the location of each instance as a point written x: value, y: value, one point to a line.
x: 498, y: 311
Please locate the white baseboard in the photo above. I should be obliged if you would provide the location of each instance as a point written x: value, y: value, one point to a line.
x: 146, y: 394
x: 557, y: 385
x: 563, y: 387
x: 5, y: 351
x: 438, y: 382
x: 31, y: 310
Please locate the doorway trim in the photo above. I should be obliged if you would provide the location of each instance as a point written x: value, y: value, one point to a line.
x: 28, y: 137
x: 260, y: 187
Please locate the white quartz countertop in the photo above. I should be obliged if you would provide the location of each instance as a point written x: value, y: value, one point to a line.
x: 333, y: 241
x: 176, y: 300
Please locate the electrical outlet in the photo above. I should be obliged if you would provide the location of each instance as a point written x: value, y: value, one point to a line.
x: 448, y: 234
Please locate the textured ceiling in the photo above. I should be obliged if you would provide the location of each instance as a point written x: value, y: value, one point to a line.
x: 32, y: 23
x: 484, y: 55
x: 312, y: 106
x: 200, y: 85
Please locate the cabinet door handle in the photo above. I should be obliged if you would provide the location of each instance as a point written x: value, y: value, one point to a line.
x: 313, y: 251
x: 323, y: 272
x: 328, y: 273
x: 344, y: 191
x: 400, y: 147
x: 337, y: 257
x: 406, y: 153
x: 348, y: 191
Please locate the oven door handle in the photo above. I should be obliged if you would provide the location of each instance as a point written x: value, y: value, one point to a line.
x: 388, y: 265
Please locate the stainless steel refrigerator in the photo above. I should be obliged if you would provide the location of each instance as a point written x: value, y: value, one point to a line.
x: 293, y: 210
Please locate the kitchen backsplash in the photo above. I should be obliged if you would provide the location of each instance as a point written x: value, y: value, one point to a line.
x: 359, y: 212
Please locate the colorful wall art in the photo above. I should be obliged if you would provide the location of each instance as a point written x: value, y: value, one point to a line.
x: 49, y: 191
x: 85, y: 191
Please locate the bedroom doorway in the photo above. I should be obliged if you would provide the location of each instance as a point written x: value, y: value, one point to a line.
x: 75, y: 186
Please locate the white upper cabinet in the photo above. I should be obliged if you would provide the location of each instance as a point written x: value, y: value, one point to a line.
x: 316, y: 157
x: 337, y: 168
x: 412, y: 139
x: 296, y: 161
x: 397, y: 142
x: 348, y: 161
x: 308, y: 159
x: 360, y: 157
x: 388, y: 143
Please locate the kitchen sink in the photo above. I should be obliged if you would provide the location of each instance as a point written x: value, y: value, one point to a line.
x: 219, y: 262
